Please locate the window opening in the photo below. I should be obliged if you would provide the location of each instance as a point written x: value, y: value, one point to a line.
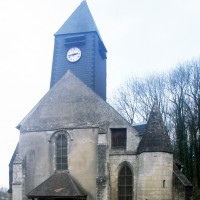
x: 118, y: 138
x: 61, y: 153
x: 164, y: 182
x: 125, y: 184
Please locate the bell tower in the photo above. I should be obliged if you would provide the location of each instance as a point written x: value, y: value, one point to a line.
x: 79, y: 47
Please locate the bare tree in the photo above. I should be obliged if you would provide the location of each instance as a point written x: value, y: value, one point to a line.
x: 178, y: 95
x: 3, y: 193
x: 135, y: 98
x: 125, y: 100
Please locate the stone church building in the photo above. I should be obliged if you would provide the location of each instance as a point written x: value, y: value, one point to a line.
x: 74, y: 145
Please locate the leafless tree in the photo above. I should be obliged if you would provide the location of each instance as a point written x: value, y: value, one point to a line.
x: 178, y: 95
x: 3, y: 193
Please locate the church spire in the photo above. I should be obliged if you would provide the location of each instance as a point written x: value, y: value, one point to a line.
x: 80, y: 21
x: 79, y: 48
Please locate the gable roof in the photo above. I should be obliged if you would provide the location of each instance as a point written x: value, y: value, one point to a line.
x: 70, y: 104
x: 60, y: 184
x: 80, y: 21
x: 156, y: 138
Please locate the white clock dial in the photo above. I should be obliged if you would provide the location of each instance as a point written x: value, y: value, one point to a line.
x: 74, y: 54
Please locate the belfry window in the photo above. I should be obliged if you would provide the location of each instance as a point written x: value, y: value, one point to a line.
x: 61, y: 152
x: 125, y: 184
x: 118, y: 138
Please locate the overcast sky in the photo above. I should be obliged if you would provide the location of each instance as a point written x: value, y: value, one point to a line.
x: 142, y: 37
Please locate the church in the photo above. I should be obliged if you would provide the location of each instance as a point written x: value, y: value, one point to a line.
x: 74, y: 145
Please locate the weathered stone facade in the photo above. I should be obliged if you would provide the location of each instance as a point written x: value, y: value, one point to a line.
x: 155, y: 176
x: 74, y: 145
x: 95, y: 165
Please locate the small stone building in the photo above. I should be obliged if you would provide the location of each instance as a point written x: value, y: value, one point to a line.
x: 74, y: 145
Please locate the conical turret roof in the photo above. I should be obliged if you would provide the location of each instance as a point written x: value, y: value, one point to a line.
x: 81, y: 21
x: 156, y: 138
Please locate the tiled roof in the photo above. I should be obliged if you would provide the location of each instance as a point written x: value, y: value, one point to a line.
x: 156, y: 138
x: 60, y: 184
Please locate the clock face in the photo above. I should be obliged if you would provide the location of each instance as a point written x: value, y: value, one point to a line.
x: 74, y: 54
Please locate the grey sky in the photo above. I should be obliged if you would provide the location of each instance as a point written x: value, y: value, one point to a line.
x: 142, y: 37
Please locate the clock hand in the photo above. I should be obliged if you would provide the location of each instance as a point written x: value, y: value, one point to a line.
x: 73, y: 54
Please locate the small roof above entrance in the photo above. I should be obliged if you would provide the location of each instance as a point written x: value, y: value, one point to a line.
x: 59, y: 185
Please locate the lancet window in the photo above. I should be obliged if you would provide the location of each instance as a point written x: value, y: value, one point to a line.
x: 61, y: 152
x: 125, y: 183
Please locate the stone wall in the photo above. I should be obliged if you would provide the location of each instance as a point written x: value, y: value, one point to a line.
x: 82, y: 159
x: 154, y: 179
x: 38, y: 150
x: 102, y: 179
x: 34, y: 147
x: 18, y: 178
x: 117, y: 160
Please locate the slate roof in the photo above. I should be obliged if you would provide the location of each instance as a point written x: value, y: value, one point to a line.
x: 181, y: 177
x: 80, y: 21
x: 155, y: 139
x: 60, y: 184
x: 141, y: 128
x: 70, y: 104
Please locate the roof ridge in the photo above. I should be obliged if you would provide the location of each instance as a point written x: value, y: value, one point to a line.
x: 72, y: 182
x: 45, y: 181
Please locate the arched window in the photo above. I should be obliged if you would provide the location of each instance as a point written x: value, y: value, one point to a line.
x: 61, y: 152
x: 125, y: 184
